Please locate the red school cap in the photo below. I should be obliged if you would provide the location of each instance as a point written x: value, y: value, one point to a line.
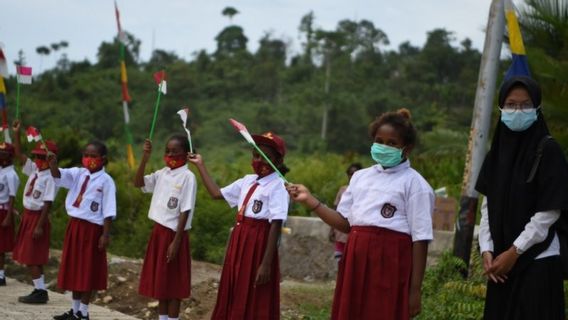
x: 272, y: 140
x: 51, y: 146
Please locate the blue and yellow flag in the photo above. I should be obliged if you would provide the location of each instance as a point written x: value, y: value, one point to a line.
x: 519, y: 65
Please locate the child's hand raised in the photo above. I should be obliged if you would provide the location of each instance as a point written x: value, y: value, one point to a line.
x: 52, y: 159
x: 147, y: 147
x: 195, y: 158
x: 298, y: 192
x: 16, y: 126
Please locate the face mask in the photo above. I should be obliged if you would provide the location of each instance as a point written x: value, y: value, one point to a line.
x: 92, y: 164
x: 518, y: 120
x: 41, y: 164
x: 386, y: 156
x: 260, y: 168
x: 174, y: 162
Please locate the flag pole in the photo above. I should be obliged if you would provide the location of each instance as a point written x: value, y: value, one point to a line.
x: 269, y: 162
x: 156, y: 110
x: 17, y: 100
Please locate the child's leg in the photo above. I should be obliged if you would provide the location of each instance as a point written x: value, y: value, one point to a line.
x: 173, y: 308
x: 76, y: 302
x: 2, y: 262
x: 37, y: 277
x: 163, y: 309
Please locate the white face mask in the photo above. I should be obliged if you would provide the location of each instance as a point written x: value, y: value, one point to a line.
x: 519, y: 120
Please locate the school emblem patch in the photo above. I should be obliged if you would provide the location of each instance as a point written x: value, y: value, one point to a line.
x: 388, y: 210
x: 173, y: 203
x: 257, y: 206
x: 94, y: 206
x: 36, y: 194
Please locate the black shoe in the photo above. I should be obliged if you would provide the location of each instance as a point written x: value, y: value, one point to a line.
x: 2, y: 282
x: 79, y: 315
x: 66, y: 316
x: 37, y: 296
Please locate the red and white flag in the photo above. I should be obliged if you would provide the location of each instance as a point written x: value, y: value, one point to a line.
x: 3, y: 63
x: 24, y: 74
x: 242, y: 130
x: 33, y: 134
x: 160, y: 78
x: 184, y: 114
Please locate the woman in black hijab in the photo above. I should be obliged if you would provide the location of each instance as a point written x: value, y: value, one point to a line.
x: 518, y: 241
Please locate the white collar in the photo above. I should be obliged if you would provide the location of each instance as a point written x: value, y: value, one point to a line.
x: 402, y: 166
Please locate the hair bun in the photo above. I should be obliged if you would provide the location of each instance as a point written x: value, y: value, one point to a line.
x: 405, y: 113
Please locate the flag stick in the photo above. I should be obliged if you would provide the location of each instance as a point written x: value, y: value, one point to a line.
x: 156, y: 111
x: 18, y: 100
x: 269, y: 162
x: 189, y: 139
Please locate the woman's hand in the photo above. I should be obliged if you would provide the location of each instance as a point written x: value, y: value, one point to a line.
x: 504, y: 262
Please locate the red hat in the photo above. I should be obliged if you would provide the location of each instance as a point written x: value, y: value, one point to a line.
x: 51, y: 146
x: 6, y: 147
x: 272, y: 140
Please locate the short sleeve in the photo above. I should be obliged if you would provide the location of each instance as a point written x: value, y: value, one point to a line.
x: 150, y: 182
x: 68, y: 176
x: 232, y: 192
x: 109, y: 199
x: 13, y: 184
x: 50, y: 190
x: 419, y: 209
x: 278, y: 204
x: 345, y: 203
x: 29, y: 167
x: 189, y: 191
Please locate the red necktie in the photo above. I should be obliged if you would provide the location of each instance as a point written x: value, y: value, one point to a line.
x: 77, y: 202
x: 31, y: 187
x: 241, y: 213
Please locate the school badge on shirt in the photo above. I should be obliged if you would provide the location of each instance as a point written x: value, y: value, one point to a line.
x: 36, y: 194
x: 388, y: 210
x: 257, y: 206
x: 94, y: 206
x: 172, y: 203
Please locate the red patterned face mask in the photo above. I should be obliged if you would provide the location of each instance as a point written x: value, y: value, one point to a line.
x: 174, y: 162
x: 92, y: 164
x: 41, y: 164
x: 261, y: 168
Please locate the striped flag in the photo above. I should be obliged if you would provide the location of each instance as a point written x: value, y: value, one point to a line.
x: 24, y: 74
x: 519, y: 65
x: 160, y: 78
x: 33, y: 134
x: 242, y: 130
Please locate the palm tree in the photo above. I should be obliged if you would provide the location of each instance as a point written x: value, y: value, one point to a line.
x: 42, y: 51
x: 230, y: 12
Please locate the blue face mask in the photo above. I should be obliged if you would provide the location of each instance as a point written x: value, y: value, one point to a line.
x: 386, y: 156
x: 518, y: 120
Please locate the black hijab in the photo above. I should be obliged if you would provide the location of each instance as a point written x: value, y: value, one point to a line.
x: 511, y: 200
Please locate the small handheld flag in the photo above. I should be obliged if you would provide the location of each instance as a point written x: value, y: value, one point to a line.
x: 183, y: 114
x: 24, y: 74
x: 33, y: 134
x: 160, y: 78
x: 244, y: 132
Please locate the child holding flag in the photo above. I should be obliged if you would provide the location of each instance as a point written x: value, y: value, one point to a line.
x: 91, y: 204
x: 9, y: 183
x: 32, y: 244
x: 387, y: 211
x: 250, y: 280
x: 166, y: 273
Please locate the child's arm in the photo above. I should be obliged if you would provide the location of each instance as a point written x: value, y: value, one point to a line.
x: 419, y: 255
x: 209, y: 183
x: 53, y: 168
x: 174, y: 246
x: 300, y: 193
x: 139, y: 178
x: 38, y: 231
x: 264, y: 270
x: 17, y: 145
x: 104, y: 240
x: 9, y: 220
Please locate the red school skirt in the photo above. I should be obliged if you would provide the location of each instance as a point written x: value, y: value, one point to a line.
x: 373, y: 281
x: 83, y: 266
x: 30, y: 251
x: 160, y: 279
x: 238, y: 297
x: 6, y: 234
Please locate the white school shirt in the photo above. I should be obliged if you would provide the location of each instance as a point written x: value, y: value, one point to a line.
x: 99, y: 199
x: 397, y: 198
x: 535, y: 232
x: 173, y: 192
x: 44, y: 187
x: 9, y: 183
x: 269, y: 201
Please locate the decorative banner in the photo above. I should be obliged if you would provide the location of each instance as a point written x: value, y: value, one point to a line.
x: 2, y: 94
x: 24, y: 74
x: 244, y: 132
x: 184, y: 114
x: 519, y: 64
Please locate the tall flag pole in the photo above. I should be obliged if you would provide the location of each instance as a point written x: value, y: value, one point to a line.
x: 125, y: 96
x: 519, y: 65
x: 24, y: 76
x: 3, y: 107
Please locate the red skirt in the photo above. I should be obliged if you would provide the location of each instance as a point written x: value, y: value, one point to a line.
x: 30, y: 251
x: 373, y: 281
x: 83, y: 266
x: 6, y: 234
x: 238, y: 297
x: 160, y: 279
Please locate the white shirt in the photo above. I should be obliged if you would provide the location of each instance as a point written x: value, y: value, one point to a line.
x: 9, y: 183
x: 397, y: 198
x: 269, y: 201
x: 535, y: 232
x: 99, y: 199
x: 44, y: 186
x: 173, y: 192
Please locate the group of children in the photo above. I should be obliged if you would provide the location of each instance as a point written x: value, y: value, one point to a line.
x: 386, y: 209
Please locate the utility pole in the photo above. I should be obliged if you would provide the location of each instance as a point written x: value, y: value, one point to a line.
x: 478, y: 136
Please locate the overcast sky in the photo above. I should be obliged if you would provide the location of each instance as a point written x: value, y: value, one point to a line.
x: 186, y: 26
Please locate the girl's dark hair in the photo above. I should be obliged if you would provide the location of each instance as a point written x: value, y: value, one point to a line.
x: 356, y: 166
x: 182, y: 141
x: 400, y: 120
x: 101, y: 147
